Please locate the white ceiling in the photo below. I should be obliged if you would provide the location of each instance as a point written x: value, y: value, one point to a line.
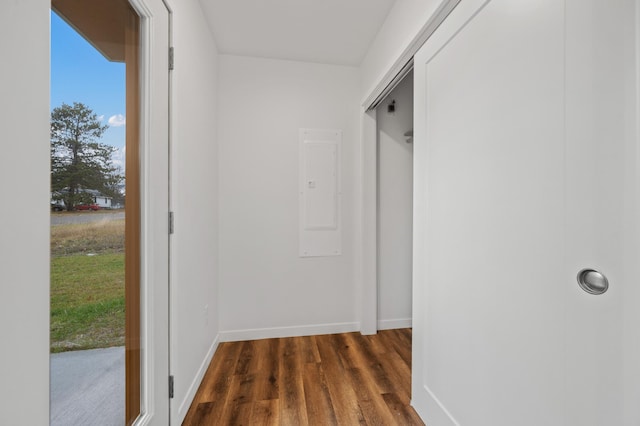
x: 325, y: 31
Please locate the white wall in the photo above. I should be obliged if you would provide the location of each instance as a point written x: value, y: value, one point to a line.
x: 194, y: 290
x: 404, y: 22
x: 265, y: 288
x: 395, y: 208
x: 24, y: 239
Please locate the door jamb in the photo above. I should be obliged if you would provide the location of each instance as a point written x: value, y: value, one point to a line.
x: 368, y: 233
x: 151, y: 381
x: 368, y: 273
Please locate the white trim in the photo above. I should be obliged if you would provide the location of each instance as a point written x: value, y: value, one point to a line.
x: 418, y: 396
x: 152, y: 318
x: 392, y: 324
x: 440, y: 14
x: 436, y: 412
x: 368, y: 233
x: 195, y: 384
x: 147, y: 340
x: 146, y: 308
x: 293, y: 331
x: 406, y: 69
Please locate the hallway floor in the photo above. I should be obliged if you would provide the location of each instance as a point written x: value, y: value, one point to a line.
x: 338, y: 379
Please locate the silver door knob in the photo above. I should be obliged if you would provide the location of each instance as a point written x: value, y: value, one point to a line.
x: 592, y: 281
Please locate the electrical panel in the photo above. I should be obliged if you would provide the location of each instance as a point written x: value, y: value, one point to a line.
x: 320, y: 193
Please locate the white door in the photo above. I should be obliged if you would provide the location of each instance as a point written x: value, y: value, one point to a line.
x: 155, y: 41
x: 525, y: 172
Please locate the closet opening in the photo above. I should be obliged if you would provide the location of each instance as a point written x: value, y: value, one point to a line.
x: 394, y: 209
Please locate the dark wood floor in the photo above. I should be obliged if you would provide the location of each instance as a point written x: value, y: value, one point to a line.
x: 338, y: 379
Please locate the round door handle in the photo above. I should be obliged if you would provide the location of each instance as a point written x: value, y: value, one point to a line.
x: 592, y: 281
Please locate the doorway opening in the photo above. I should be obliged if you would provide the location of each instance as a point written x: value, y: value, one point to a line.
x: 394, y: 121
x: 95, y: 252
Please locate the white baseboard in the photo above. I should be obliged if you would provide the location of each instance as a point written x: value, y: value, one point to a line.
x: 430, y: 409
x: 294, y: 331
x: 195, y: 384
x: 391, y: 324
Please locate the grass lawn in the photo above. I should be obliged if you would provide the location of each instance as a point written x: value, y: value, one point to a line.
x: 94, y: 237
x: 87, y: 291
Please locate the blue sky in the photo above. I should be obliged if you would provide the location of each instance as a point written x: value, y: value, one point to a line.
x: 79, y: 73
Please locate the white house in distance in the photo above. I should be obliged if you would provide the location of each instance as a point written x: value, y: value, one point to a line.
x: 103, y: 201
x: 525, y: 177
x: 99, y: 199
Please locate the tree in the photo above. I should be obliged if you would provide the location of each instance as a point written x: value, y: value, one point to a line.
x: 78, y: 160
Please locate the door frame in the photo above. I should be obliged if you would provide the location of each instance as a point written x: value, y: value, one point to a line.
x: 367, y: 273
x: 154, y: 330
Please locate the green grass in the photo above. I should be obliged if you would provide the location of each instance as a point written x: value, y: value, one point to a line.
x: 87, y: 291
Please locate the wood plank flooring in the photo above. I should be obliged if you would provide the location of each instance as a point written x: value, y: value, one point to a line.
x: 336, y: 379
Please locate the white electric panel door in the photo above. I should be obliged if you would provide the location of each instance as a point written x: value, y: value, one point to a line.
x: 319, y: 193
